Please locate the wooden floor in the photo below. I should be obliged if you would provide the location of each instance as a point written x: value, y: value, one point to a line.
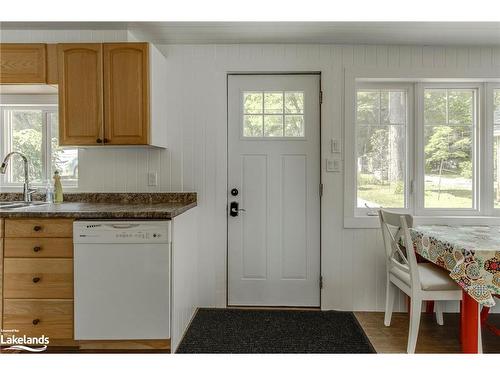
x: 431, y: 338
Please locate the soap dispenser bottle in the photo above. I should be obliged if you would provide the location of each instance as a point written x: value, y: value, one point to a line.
x: 58, y: 191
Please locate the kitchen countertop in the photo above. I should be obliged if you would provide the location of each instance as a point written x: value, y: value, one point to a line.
x: 105, y: 206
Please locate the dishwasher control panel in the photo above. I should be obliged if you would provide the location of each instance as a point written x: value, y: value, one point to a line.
x: 121, y: 231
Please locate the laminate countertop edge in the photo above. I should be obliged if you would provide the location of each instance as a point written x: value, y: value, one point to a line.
x: 112, y: 210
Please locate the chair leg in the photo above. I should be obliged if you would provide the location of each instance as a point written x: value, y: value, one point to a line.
x: 389, y: 301
x: 415, y: 311
x: 438, y: 306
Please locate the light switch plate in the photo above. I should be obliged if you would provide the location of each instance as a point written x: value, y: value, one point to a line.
x: 152, y: 179
x: 334, y: 165
x: 335, y: 146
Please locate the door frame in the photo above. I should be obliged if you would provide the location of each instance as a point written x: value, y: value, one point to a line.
x: 320, y: 93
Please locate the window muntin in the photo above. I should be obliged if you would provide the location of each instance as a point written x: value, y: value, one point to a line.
x: 33, y: 131
x: 496, y: 146
x: 449, y: 131
x: 381, y: 131
x: 273, y: 114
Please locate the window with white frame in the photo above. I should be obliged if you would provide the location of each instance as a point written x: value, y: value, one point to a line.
x: 449, y: 122
x: 33, y: 131
x: 418, y: 149
x: 381, y: 133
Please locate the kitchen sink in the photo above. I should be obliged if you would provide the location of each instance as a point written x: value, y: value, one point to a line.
x: 19, y: 204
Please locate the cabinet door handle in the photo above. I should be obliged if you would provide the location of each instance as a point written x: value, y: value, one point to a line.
x: 36, y: 279
x: 36, y: 249
x: 37, y: 228
x: 98, y: 140
x: 36, y: 321
x: 106, y: 140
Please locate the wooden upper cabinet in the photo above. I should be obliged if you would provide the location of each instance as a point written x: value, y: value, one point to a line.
x: 80, y: 94
x: 23, y: 63
x: 126, y: 93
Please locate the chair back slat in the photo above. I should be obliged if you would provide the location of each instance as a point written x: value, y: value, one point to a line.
x: 398, y: 244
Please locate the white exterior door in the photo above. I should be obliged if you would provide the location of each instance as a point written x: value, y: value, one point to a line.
x: 274, y: 190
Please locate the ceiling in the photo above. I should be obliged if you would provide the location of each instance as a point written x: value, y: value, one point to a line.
x: 423, y: 33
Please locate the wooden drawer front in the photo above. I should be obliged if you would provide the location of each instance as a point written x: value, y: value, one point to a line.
x: 52, y: 318
x: 22, y: 63
x: 38, y: 278
x: 38, y: 248
x: 39, y: 228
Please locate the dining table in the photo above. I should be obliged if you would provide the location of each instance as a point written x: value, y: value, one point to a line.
x: 471, y: 255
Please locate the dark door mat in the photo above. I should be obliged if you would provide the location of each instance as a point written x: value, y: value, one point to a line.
x: 274, y: 331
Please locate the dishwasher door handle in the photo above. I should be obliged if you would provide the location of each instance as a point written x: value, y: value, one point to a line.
x: 123, y: 226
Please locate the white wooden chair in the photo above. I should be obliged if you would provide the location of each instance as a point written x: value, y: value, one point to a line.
x: 419, y: 281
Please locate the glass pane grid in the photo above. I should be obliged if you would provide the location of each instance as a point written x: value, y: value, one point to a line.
x: 268, y: 114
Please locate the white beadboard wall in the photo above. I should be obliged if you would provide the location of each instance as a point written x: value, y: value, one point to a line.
x: 353, y: 265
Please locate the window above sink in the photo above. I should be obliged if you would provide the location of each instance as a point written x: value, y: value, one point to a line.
x: 29, y: 124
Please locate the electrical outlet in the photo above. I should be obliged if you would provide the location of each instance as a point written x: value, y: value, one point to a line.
x: 152, y: 179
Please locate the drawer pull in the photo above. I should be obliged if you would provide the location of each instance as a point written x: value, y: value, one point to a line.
x: 36, y: 249
x: 37, y: 228
x: 36, y: 321
x: 36, y: 279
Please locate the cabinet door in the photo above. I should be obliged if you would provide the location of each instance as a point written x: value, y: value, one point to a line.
x: 126, y: 93
x: 23, y: 63
x: 80, y: 94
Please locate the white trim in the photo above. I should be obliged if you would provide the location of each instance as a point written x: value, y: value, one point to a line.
x: 28, y: 100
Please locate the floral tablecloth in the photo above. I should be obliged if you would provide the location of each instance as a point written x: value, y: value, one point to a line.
x: 470, y: 253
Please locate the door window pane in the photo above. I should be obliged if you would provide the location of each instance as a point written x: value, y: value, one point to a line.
x: 252, y: 125
x: 381, y: 148
x: 253, y: 102
x: 448, y: 148
x: 294, y: 126
x: 273, y: 102
x: 273, y: 126
x: 294, y: 102
x: 273, y: 114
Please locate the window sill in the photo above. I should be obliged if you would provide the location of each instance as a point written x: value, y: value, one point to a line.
x: 372, y: 222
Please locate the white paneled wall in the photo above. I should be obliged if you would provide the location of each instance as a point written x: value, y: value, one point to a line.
x: 352, y: 259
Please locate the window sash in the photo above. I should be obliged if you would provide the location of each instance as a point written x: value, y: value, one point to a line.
x: 408, y: 169
x: 419, y: 178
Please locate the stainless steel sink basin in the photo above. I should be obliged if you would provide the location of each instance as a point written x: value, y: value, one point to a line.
x: 18, y: 204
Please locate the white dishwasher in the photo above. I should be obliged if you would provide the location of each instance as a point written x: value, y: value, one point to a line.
x: 121, y: 280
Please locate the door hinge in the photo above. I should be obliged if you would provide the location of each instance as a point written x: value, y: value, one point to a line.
x: 320, y: 190
x: 412, y: 186
x: 321, y: 282
x: 320, y: 97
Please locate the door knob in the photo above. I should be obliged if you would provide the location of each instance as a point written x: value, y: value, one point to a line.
x: 234, y: 209
x: 37, y: 228
x: 36, y: 249
x: 36, y: 321
x: 36, y: 279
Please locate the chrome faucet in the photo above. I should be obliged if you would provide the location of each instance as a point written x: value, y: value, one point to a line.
x: 27, y: 192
